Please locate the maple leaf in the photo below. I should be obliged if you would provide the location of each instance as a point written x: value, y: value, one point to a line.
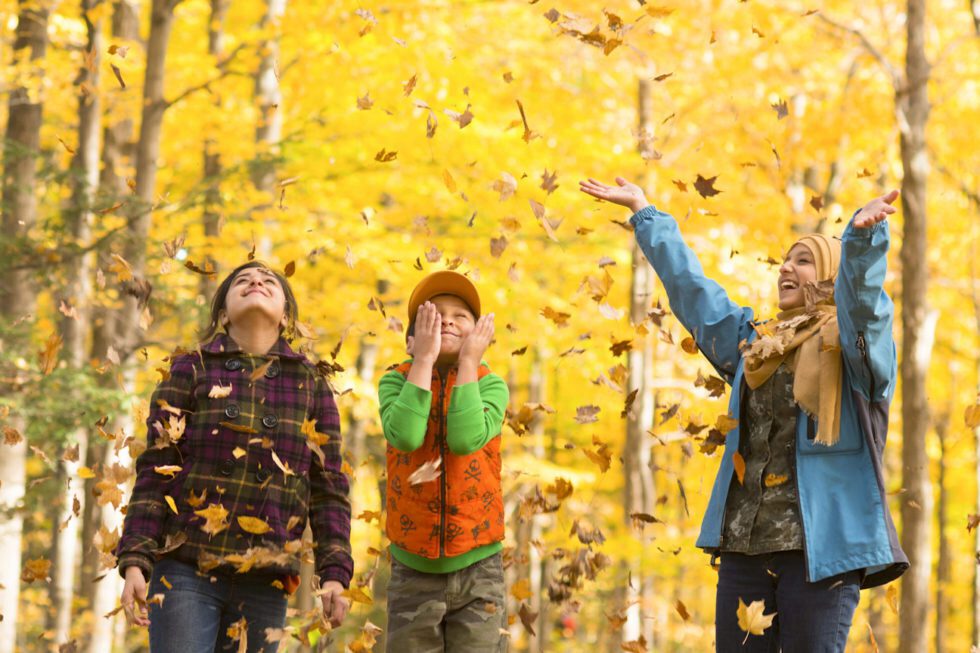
x: 497, y: 246
x: 739, y: 464
x: 366, y: 640
x: 365, y: 103
x: 602, y: 456
x: 36, y: 569
x: 751, y: 619
x: 561, y: 488
x: 621, y: 347
x: 216, y: 518
x: 635, y: 646
x: 559, y: 318
x: 706, y: 186
x: 12, y: 436
x: 433, y: 255
x: 427, y: 471
x: 548, y: 181
x: 781, y: 109
x: 521, y: 590
x: 816, y: 202
x: 587, y: 414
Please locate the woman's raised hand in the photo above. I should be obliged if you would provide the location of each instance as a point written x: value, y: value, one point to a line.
x: 625, y: 193
x: 876, y: 210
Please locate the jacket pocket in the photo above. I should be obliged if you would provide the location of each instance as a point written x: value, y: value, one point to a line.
x: 850, y: 441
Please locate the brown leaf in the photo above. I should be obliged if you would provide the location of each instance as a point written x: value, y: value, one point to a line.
x: 559, y: 318
x: 462, y: 119
x: 621, y: 347
x: 431, y: 123
x: 816, y: 202
x: 365, y: 103
x: 972, y: 416
x: 433, y: 255
x: 781, y: 109
x: 409, y: 85
x: 259, y: 371
x: 548, y: 181
x: 689, y: 345
x: 630, y: 398
x: 497, y: 246
x: 587, y: 414
x: 36, y: 569
x: 118, y: 74
x: 289, y: 270
x: 528, y: 618
x: 972, y: 521
x: 706, y: 186
x: 384, y: 156
x: 528, y: 134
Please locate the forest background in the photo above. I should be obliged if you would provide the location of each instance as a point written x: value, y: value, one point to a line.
x: 150, y: 146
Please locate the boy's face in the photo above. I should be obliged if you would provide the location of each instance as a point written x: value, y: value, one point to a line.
x: 457, y: 324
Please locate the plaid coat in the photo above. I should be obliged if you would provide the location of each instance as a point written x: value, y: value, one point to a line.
x: 243, y: 471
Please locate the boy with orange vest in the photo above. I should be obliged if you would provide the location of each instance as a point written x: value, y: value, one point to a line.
x: 441, y: 412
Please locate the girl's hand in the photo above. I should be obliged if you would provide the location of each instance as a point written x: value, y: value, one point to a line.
x: 335, y: 604
x: 626, y: 194
x: 479, y: 339
x: 428, y: 337
x: 876, y: 210
x: 134, y: 597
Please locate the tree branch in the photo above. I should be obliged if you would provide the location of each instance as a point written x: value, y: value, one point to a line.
x: 869, y: 47
x: 224, y: 72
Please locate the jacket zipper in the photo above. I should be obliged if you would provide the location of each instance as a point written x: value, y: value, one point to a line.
x: 443, y: 490
x: 741, y: 411
x: 862, y: 346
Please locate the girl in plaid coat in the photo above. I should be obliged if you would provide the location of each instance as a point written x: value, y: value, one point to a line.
x: 243, y: 447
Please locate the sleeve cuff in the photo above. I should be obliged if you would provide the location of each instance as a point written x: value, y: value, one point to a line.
x: 464, y: 397
x: 133, y: 559
x: 853, y: 233
x: 646, y: 213
x: 337, y: 573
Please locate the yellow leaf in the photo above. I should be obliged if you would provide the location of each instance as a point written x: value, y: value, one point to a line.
x: 772, y: 480
x: 253, y: 525
x: 521, y: 590
x: 450, y: 182
x: 166, y: 583
x: 220, y: 391
x: 891, y: 595
x: 739, y: 463
x: 167, y: 470
x: 724, y: 423
x: 281, y: 465
x: 170, y: 502
x: 973, y: 416
x: 121, y: 267
x: 237, y: 452
x: 216, y: 518
x: 194, y: 500
x: 751, y: 619
x: 85, y: 472
x: 358, y: 595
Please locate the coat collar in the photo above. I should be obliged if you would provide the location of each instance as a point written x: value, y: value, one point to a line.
x: 224, y: 344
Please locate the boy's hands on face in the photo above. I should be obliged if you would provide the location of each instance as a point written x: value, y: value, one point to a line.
x: 479, y: 339
x: 427, y: 341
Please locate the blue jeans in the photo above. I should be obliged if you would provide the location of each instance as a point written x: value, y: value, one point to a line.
x: 810, y: 617
x: 196, y: 613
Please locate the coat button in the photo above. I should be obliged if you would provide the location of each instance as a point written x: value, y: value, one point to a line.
x: 233, y: 364
x: 270, y: 421
x: 262, y: 475
x: 226, y: 467
x: 272, y: 371
x: 232, y: 411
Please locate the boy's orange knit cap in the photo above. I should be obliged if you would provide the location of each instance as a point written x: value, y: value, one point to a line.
x: 445, y: 282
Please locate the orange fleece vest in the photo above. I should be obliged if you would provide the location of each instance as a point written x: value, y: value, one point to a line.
x: 461, y: 509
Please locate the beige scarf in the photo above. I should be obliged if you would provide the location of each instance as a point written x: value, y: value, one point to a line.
x: 808, y: 340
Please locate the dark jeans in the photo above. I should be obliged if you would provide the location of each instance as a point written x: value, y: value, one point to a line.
x: 810, y: 617
x: 196, y: 613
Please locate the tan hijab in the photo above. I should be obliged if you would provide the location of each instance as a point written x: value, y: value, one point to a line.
x: 808, y: 340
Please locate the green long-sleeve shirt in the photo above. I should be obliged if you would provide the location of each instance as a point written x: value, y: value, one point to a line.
x: 475, y: 416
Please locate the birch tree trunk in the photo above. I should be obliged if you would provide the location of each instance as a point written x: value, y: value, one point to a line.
x: 18, y: 294
x: 76, y: 330
x: 211, y: 217
x: 917, y: 504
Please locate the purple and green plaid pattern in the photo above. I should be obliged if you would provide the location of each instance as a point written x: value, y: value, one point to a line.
x: 227, y: 458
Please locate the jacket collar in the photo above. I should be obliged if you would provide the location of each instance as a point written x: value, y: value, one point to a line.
x: 224, y: 344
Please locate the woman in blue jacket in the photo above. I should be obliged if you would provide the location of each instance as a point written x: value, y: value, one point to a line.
x: 806, y: 526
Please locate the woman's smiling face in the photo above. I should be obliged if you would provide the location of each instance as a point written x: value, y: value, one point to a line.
x: 798, y: 269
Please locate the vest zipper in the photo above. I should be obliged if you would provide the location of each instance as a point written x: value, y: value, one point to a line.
x: 443, y: 490
x: 862, y: 346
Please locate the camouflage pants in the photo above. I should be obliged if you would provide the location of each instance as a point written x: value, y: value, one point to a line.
x: 459, y: 612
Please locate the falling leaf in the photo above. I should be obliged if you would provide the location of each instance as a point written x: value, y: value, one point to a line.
x: 409, y: 85
x: 521, y: 590
x: 462, y: 119
x: 433, y: 255
x: 506, y: 185
x: 559, y: 318
x: 724, y: 423
x: 972, y: 416
x: 739, y: 464
x: 562, y: 488
x: 891, y: 596
x: 370, y: 515
x: 757, y: 32
x: 751, y: 619
x: 602, y: 456
x: 259, y: 372
x: 431, y: 123
x: 121, y: 50
x: 528, y: 618
x: 366, y: 641
x: 659, y: 12
x: 170, y: 502
x: 167, y: 470
x: 357, y: 595
x: 781, y: 109
x: 238, y: 632
x: 772, y: 480
x: 528, y: 134
x: 539, y: 212
x: 36, y: 569
x: 689, y: 345
x: 816, y: 202
x: 706, y: 186
x: 118, y: 74
x: 552, y: 15
x: 497, y: 246
x: 216, y: 518
x: 587, y: 414
x: 865, y: 173
x: 253, y: 525
x: 83, y: 472
x: 427, y: 471
x: 365, y: 103
x: 449, y: 181
x: 548, y: 181
x: 286, y: 470
x: 194, y: 500
x: 972, y: 521
x: 219, y: 391
x: 290, y: 269
x: 635, y: 646
x: 384, y: 157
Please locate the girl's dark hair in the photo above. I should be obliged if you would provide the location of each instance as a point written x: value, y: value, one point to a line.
x: 221, y: 294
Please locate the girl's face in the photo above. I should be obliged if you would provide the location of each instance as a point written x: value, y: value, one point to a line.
x: 255, y: 291
x: 797, y: 270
